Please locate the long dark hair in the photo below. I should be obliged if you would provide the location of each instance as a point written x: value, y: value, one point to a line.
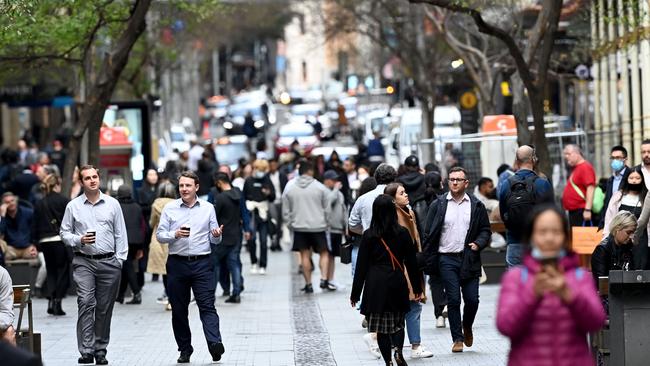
x: 534, y: 215
x: 432, y: 186
x: 625, y: 186
x: 384, y: 217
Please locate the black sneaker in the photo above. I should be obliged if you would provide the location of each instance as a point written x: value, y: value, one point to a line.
x: 86, y: 358
x: 101, y: 360
x: 233, y: 299
x: 216, y: 350
x: 323, y: 284
x: 184, y: 357
x: 308, y: 289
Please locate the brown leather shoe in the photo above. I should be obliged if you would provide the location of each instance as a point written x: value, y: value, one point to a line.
x: 457, y: 347
x: 468, y: 335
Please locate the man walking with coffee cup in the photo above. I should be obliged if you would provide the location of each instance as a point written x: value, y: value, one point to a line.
x: 94, y: 226
x: 189, y: 225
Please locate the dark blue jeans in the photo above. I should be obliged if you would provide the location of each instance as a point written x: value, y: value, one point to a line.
x: 514, y: 254
x: 198, y: 276
x: 450, y: 274
x: 230, y: 255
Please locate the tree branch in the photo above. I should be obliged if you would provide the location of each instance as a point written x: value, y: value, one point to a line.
x: 484, y: 27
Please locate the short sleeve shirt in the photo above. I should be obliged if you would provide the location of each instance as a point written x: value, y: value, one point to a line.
x: 583, y: 176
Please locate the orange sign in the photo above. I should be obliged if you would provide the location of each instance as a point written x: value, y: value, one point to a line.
x: 113, y: 136
x: 501, y: 123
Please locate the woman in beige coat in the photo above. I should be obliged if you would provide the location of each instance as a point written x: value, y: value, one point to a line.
x: 406, y: 218
x: 158, y: 252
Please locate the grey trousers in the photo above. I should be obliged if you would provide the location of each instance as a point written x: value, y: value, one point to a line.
x: 97, y: 285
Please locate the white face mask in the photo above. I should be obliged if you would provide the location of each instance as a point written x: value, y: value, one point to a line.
x: 362, y: 176
x: 259, y: 175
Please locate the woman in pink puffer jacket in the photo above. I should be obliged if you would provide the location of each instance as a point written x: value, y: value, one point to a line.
x: 549, y: 304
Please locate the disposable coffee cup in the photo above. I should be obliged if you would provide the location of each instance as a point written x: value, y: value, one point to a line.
x: 91, y: 233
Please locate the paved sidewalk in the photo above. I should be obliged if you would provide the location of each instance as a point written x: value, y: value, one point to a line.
x: 274, y: 325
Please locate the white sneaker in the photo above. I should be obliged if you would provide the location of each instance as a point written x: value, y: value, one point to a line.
x: 373, y: 347
x: 440, y: 322
x: 262, y: 271
x: 444, y: 311
x: 254, y: 269
x: 421, y: 352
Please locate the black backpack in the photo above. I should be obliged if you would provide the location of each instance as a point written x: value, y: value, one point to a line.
x: 519, y: 203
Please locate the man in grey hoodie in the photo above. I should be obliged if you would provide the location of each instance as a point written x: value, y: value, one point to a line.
x: 305, y: 208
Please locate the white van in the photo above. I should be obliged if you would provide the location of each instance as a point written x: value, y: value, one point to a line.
x: 405, y: 139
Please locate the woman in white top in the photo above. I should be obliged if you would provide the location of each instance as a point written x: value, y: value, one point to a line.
x: 630, y: 197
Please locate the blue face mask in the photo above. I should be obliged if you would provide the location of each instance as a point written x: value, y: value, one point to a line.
x: 617, y: 165
x: 537, y: 254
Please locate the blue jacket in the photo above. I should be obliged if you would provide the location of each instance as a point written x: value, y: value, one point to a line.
x: 17, y: 231
x: 543, y: 194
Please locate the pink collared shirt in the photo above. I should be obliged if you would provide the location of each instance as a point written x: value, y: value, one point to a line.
x: 456, y: 225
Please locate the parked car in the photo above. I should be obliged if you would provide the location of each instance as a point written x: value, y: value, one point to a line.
x: 310, y: 113
x: 179, y: 138
x: 230, y: 149
x: 301, y: 132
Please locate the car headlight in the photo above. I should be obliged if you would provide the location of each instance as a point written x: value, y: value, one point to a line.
x: 227, y: 125
x: 259, y: 124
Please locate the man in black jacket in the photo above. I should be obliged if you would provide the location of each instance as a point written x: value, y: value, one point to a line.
x: 457, y: 229
x: 618, y: 163
x: 414, y: 186
x: 228, y: 205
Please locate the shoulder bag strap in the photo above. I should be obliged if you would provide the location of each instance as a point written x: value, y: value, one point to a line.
x: 393, y: 259
x: 575, y: 187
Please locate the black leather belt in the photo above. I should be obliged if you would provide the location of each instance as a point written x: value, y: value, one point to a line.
x: 95, y: 256
x: 190, y: 258
x: 457, y: 255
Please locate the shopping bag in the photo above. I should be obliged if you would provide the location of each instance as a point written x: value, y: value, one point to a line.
x: 585, y: 239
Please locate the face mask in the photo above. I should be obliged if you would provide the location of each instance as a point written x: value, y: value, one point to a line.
x: 259, y: 175
x: 537, y: 254
x: 617, y: 165
x: 635, y: 187
x: 362, y: 177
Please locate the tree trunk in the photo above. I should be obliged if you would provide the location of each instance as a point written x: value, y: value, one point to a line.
x: 539, y: 136
x: 520, y: 109
x: 101, y: 89
x: 428, y: 150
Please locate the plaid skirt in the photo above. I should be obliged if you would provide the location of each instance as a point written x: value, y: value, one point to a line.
x: 385, y: 322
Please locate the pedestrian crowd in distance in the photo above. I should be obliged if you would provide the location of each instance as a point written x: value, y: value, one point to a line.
x: 400, y: 229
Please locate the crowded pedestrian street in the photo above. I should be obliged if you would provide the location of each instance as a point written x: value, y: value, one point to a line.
x: 274, y: 325
x: 324, y: 182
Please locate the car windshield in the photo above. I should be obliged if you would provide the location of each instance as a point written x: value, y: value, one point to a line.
x: 177, y: 136
x: 305, y: 111
x: 298, y: 130
x: 230, y: 153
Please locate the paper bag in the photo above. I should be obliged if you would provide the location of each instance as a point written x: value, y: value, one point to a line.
x: 585, y: 239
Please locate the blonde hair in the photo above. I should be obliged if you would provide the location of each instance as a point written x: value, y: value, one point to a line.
x: 49, y: 183
x: 261, y: 165
x: 622, y: 220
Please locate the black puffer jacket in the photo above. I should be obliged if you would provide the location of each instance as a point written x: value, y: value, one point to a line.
x: 48, y: 214
x: 134, y: 220
x: 413, y: 185
x: 608, y: 256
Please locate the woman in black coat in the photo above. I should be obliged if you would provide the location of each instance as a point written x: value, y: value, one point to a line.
x: 135, y: 232
x: 46, y: 224
x: 615, y: 251
x: 386, y: 248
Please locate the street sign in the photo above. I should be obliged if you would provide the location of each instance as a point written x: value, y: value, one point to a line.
x: 582, y: 72
x: 468, y: 100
